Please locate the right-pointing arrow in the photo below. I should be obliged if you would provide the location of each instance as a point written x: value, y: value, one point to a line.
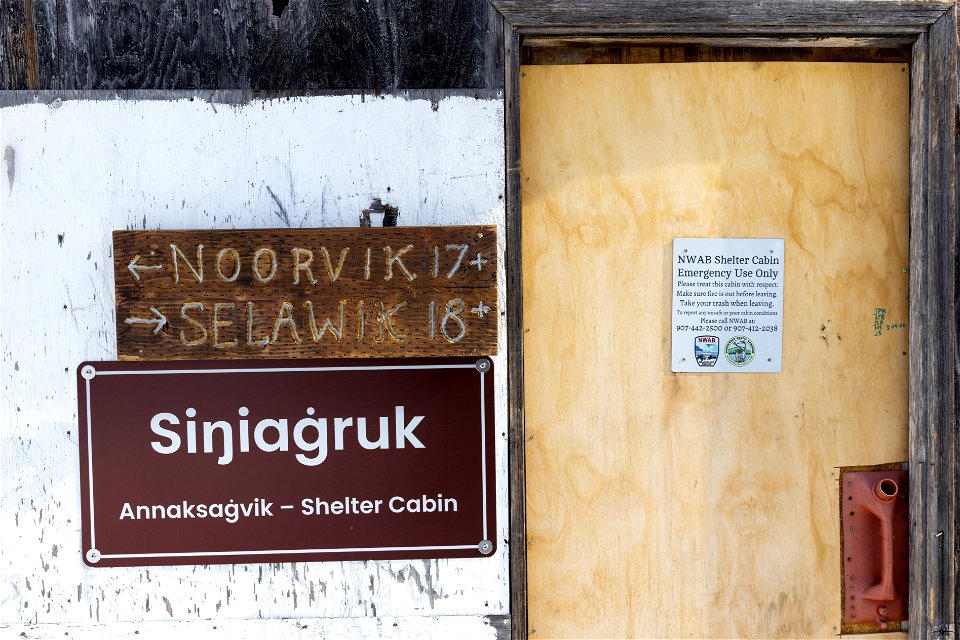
x: 160, y: 320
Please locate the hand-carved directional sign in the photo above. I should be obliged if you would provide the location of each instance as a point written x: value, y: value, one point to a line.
x: 294, y: 293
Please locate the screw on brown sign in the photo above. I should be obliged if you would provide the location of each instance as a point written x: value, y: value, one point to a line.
x: 281, y: 293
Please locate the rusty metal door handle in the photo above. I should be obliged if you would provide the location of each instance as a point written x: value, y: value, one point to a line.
x: 875, y: 522
x: 884, y: 496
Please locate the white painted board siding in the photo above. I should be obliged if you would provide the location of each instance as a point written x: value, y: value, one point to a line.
x: 75, y: 171
x: 417, y: 627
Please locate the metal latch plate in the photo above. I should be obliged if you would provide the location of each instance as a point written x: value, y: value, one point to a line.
x: 875, y: 522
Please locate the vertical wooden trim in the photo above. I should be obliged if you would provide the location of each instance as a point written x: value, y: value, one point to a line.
x: 954, y: 468
x: 28, y: 46
x: 942, y: 203
x: 933, y: 332
x: 494, y: 71
x: 919, y: 295
x: 514, y: 265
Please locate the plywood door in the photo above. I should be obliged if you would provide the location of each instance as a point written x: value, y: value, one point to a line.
x: 705, y: 505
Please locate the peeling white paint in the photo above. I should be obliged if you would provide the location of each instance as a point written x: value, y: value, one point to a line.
x: 421, y: 628
x: 89, y: 167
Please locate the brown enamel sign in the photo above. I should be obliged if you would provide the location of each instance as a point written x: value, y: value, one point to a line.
x: 193, y: 462
x: 306, y: 293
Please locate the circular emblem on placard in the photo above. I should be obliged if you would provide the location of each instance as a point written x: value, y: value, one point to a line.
x: 739, y: 351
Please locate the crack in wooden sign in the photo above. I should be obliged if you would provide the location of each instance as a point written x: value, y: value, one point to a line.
x: 298, y: 293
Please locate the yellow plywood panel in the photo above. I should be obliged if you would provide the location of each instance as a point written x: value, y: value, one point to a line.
x: 705, y: 505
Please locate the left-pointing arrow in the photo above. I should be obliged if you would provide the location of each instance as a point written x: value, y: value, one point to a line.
x: 160, y: 320
x: 135, y: 268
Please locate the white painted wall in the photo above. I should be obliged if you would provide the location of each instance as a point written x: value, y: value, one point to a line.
x: 74, y: 172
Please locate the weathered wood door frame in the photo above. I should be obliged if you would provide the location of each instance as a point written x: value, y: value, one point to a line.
x: 930, y: 30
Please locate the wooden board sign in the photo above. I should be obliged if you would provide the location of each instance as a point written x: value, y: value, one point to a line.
x: 298, y: 293
x: 200, y: 462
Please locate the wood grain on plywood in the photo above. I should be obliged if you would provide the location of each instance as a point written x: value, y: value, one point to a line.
x: 689, y: 505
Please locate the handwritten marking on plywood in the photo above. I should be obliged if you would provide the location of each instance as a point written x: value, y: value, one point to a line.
x: 666, y: 505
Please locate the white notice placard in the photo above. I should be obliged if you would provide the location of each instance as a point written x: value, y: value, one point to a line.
x: 727, y: 305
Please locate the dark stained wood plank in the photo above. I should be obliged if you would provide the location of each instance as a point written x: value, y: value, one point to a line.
x: 632, y: 54
x: 943, y: 203
x: 573, y: 17
x: 157, y: 44
x: 380, y: 45
x: 515, y: 329
x: 14, y: 62
x: 732, y: 40
x: 919, y: 301
x: 955, y: 580
x: 437, y: 38
x: 933, y: 334
x: 306, y: 293
x: 329, y: 45
x: 28, y: 43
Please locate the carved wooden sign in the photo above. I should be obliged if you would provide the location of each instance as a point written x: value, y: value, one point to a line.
x: 298, y: 293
